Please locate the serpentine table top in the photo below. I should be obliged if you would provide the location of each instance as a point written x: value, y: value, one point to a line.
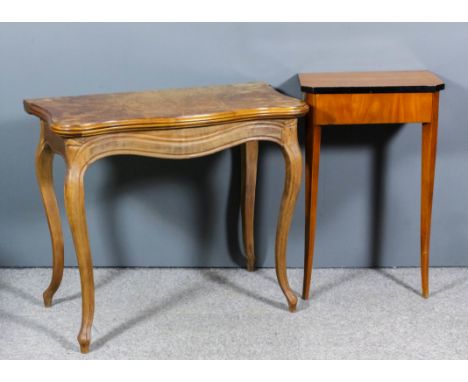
x: 88, y: 115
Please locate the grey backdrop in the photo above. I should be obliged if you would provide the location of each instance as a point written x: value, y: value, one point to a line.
x: 150, y: 212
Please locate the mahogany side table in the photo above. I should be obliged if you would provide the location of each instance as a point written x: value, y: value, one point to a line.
x: 371, y: 98
x: 176, y: 124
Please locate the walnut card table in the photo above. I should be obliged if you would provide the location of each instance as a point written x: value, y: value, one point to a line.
x: 179, y: 123
x: 371, y: 98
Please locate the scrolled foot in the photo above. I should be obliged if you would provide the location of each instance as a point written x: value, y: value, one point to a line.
x: 84, y: 342
x: 84, y: 348
x: 47, y: 296
x: 292, y: 303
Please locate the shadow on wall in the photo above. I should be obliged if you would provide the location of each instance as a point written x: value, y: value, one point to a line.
x: 378, y: 137
x: 195, y: 175
x: 129, y: 172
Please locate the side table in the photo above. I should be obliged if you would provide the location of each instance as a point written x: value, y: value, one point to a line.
x: 371, y: 98
x: 176, y: 124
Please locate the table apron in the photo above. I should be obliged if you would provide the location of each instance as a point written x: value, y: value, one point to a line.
x: 342, y: 109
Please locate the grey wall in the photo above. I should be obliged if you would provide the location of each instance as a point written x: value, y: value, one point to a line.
x: 150, y: 212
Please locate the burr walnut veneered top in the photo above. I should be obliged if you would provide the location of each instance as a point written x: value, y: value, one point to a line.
x: 173, y: 108
x: 416, y: 81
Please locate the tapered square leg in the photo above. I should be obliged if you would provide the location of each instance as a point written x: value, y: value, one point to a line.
x: 428, y: 158
x: 313, y: 137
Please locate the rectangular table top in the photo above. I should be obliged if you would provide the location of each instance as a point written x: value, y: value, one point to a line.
x: 416, y: 81
x: 190, y: 107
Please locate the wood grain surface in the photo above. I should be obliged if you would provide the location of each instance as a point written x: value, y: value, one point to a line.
x: 347, y: 109
x: 172, y: 108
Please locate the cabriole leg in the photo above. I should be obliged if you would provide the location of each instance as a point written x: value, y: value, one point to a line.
x: 44, y: 161
x: 292, y: 157
x: 75, y: 205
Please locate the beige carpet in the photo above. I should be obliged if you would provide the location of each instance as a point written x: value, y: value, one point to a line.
x: 233, y: 314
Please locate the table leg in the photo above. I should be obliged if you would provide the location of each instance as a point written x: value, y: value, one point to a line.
x: 313, y: 136
x: 428, y: 157
x: 292, y: 157
x: 75, y: 205
x: 44, y: 164
x: 249, y: 179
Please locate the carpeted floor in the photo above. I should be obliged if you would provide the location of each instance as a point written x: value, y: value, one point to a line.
x: 233, y: 314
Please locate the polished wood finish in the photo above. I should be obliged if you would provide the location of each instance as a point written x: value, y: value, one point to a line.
x: 313, y: 138
x: 81, y: 149
x: 44, y: 161
x: 292, y: 182
x: 428, y: 155
x: 412, y: 81
x: 249, y: 152
x: 175, y: 108
x: 339, y: 99
x: 372, y: 108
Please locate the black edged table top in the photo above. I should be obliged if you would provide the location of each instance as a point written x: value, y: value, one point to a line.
x: 416, y: 81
